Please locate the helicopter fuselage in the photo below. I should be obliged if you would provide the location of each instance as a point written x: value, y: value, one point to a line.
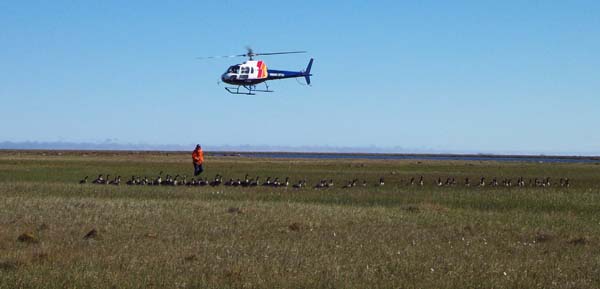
x: 255, y: 72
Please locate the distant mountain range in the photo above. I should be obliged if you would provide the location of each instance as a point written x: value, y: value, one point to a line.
x: 59, y: 145
x: 64, y: 145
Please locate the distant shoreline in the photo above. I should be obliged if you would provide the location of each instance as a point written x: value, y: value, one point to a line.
x: 424, y: 155
x: 323, y: 155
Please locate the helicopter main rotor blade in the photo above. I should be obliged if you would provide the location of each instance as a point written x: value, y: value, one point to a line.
x: 223, y: 56
x: 275, y: 53
x: 250, y: 54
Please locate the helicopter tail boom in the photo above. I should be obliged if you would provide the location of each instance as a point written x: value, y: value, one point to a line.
x: 282, y: 74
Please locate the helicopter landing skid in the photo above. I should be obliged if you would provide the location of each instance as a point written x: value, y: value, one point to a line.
x: 250, y: 89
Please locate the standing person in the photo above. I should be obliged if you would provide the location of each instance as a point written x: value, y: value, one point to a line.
x: 198, y: 158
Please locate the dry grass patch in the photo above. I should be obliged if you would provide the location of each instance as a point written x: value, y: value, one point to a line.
x: 28, y: 237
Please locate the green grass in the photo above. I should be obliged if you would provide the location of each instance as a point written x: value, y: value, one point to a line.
x: 395, y: 236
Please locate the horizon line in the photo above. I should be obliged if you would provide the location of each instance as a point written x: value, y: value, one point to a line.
x: 247, y: 148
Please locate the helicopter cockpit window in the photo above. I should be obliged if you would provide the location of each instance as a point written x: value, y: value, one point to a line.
x: 245, y: 70
x: 233, y: 69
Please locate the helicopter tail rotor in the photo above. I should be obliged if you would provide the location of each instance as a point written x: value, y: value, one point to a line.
x: 307, y: 71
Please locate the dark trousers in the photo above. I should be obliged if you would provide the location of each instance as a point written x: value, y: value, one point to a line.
x: 198, y: 169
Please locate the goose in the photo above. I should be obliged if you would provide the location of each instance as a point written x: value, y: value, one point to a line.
x: 267, y: 182
x: 522, y: 182
x: 246, y: 181
x: 216, y: 181
x: 275, y: 182
x: 482, y: 182
x: 349, y: 185
x: 160, y: 177
x: 421, y: 181
x: 567, y: 182
x: 192, y: 182
x: 169, y: 180
x: 255, y: 182
x: 117, y: 181
x: 131, y: 182
x: 299, y: 185
x: 184, y: 181
x: 145, y: 181
x: 286, y: 183
x: 364, y: 183
x: 84, y: 180
x: 412, y: 181
x: 319, y: 185
x: 439, y: 182
x: 494, y: 182
x: 158, y: 180
x: 467, y: 183
x: 229, y: 183
x: 107, y: 180
x: 99, y: 179
x: 283, y: 183
x: 330, y: 183
x: 381, y: 182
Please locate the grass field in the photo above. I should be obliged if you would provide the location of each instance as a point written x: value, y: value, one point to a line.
x: 394, y: 236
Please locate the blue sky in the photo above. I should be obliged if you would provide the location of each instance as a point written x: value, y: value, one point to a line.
x: 448, y: 76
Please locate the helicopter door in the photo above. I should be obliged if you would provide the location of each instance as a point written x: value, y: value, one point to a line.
x: 244, y: 71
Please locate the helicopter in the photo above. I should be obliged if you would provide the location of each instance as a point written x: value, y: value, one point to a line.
x: 245, y: 77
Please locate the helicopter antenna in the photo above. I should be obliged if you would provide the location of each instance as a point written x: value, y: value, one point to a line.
x: 251, y: 54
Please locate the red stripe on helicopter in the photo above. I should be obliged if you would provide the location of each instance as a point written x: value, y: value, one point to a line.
x: 262, y: 69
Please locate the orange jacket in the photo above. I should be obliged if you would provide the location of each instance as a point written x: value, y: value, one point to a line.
x: 198, y: 156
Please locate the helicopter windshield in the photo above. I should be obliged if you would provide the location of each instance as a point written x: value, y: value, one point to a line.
x: 234, y: 69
